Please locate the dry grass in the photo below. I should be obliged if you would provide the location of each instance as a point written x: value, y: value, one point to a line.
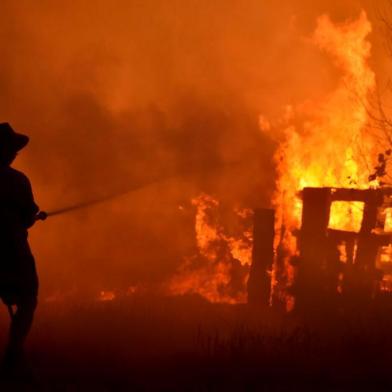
x: 185, y: 344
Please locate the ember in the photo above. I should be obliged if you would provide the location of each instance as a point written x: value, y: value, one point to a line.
x: 107, y: 295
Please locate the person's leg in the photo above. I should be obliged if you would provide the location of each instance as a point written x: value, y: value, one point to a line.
x: 20, y: 326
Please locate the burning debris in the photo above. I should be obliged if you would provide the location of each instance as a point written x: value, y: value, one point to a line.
x: 331, y: 148
x: 334, y: 242
x: 347, y: 263
x: 219, y: 271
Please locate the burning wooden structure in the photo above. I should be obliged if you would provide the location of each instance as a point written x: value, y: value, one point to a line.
x: 332, y: 263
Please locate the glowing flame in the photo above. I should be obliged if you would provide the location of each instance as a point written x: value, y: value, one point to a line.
x: 107, y: 295
x: 331, y: 148
x: 219, y: 271
x: 346, y: 215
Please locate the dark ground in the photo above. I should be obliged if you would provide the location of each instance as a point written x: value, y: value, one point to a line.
x: 147, y: 343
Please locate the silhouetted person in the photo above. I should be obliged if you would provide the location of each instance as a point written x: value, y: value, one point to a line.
x: 18, y: 212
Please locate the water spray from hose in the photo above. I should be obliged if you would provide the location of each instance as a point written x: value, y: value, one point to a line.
x: 42, y: 215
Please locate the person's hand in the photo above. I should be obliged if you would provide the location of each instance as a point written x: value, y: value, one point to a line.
x: 42, y: 215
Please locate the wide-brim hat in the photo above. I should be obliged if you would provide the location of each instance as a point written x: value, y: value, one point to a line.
x: 11, y: 139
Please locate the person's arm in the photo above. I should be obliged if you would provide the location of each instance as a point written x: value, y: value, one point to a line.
x: 29, y: 209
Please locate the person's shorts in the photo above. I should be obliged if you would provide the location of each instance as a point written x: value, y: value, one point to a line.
x: 14, y: 290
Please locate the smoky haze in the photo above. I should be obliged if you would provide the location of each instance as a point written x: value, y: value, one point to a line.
x: 119, y: 95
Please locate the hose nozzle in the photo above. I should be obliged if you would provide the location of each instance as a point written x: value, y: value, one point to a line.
x: 42, y: 215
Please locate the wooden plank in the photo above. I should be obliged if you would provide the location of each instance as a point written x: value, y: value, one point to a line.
x: 352, y: 194
x: 313, y: 246
x: 259, y: 282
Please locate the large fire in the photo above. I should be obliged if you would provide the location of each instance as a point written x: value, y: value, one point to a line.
x: 330, y: 146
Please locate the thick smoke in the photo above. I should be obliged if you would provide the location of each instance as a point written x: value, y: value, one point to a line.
x: 121, y: 94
